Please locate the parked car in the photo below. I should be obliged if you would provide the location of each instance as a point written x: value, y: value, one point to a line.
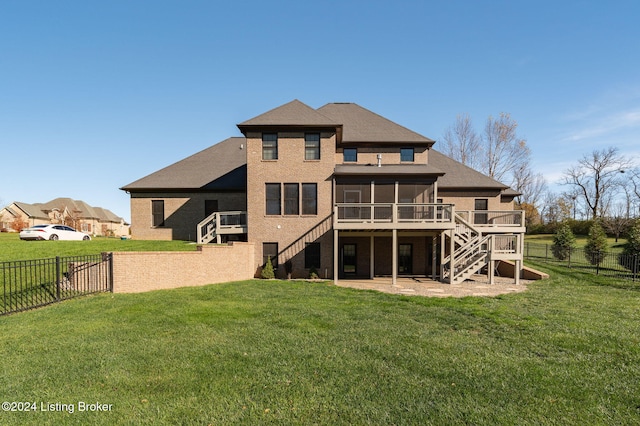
x: 52, y: 232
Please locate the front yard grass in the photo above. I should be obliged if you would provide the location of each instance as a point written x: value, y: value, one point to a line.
x: 567, y: 351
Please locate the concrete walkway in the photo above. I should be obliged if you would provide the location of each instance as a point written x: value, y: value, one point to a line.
x: 421, y: 286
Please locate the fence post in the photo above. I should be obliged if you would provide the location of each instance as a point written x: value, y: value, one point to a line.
x: 570, y: 250
x: 111, y: 272
x: 546, y: 252
x: 635, y: 266
x: 58, y: 280
x: 597, y: 262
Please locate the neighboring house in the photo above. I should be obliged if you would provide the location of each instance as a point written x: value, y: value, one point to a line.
x: 339, y: 190
x: 75, y: 213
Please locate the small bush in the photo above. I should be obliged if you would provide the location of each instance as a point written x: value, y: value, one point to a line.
x: 267, y: 272
x: 313, y: 274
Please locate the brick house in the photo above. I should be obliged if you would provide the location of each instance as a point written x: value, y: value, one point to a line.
x: 74, y: 213
x: 339, y: 190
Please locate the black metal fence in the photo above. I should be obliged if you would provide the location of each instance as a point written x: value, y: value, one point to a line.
x: 29, y: 284
x: 609, y: 264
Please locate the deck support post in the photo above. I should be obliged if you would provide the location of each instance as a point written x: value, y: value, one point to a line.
x: 394, y: 256
x: 335, y: 256
x: 371, y: 257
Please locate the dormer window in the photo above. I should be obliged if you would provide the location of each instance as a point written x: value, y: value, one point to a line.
x: 350, y: 155
x: 406, y: 155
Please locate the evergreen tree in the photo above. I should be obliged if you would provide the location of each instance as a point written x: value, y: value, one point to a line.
x: 630, y: 256
x: 596, y: 248
x: 267, y: 272
x: 563, y: 242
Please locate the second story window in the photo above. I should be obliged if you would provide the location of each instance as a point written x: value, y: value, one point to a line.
x: 350, y: 155
x: 269, y: 146
x: 312, y: 146
x: 272, y: 191
x: 406, y: 155
x: 291, y: 199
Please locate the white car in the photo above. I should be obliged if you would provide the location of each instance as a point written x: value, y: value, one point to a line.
x: 52, y: 232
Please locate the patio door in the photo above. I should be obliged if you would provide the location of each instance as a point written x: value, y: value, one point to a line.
x: 480, y: 205
x: 349, y: 260
x: 405, y: 259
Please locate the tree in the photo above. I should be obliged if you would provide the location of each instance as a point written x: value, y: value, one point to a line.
x: 504, y: 151
x: 596, y: 176
x: 531, y: 215
x: 596, y: 248
x: 461, y: 142
x: 630, y: 256
x: 19, y: 224
x: 563, y: 242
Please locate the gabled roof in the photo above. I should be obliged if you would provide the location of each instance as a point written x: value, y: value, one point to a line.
x: 219, y: 167
x: 31, y: 210
x: 294, y: 113
x: 363, y: 126
x: 79, y: 207
x: 460, y: 176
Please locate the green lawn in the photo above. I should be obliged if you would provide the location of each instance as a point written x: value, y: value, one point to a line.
x: 567, y: 351
x: 581, y: 241
x: 12, y: 248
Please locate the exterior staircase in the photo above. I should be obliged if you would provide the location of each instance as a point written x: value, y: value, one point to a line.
x: 217, y: 224
x: 470, y: 254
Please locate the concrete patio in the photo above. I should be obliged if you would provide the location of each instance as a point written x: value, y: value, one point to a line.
x: 478, y: 285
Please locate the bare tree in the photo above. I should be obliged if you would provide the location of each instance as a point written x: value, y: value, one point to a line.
x: 596, y: 177
x: 504, y: 151
x: 462, y: 143
x: 530, y: 185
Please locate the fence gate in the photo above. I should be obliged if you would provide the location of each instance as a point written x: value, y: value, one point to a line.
x: 28, y: 284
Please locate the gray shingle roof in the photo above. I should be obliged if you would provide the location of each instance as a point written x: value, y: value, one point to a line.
x: 460, y: 176
x: 387, y: 169
x: 221, y: 166
x: 294, y: 113
x: 362, y: 125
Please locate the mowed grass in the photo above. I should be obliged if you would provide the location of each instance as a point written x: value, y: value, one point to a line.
x: 581, y: 241
x: 567, y: 351
x: 12, y: 248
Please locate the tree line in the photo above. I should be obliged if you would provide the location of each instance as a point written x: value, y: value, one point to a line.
x: 602, y: 186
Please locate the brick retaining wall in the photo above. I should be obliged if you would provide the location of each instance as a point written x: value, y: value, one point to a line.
x: 135, y: 272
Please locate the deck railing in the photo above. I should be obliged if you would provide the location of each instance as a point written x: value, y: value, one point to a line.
x: 501, y: 218
x: 393, y: 213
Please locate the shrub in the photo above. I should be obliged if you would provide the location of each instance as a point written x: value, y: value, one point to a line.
x: 596, y: 248
x: 313, y: 274
x: 630, y: 256
x: 563, y: 242
x: 288, y: 268
x: 267, y: 272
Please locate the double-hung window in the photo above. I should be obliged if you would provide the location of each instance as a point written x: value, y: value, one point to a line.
x: 291, y: 199
x: 312, y: 255
x: 157, y: 212
x: 312, y: 146
x: 269, y: 146
x: 272, y: 195
x: 309, y: 198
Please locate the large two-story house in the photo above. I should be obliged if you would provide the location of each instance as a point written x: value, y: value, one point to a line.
x: 338, y: 190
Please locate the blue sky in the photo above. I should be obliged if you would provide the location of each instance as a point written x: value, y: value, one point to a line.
x: 95, y: 95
